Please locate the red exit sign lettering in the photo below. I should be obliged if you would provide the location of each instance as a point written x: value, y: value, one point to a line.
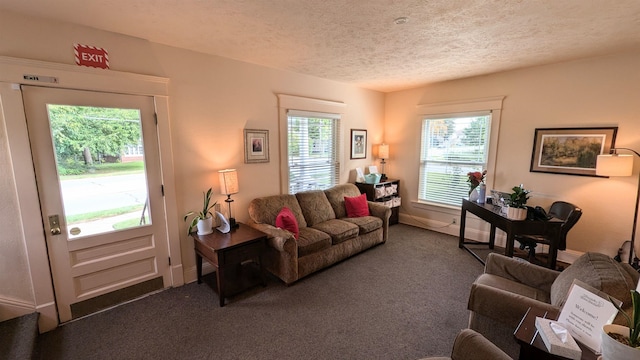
x: 91, y: 56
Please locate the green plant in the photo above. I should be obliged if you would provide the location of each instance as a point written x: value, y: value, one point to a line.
x: 206, y: 210
x: 518, y: 198
x: 634, y: 320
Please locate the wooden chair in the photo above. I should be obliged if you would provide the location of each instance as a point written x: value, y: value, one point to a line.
x: 560, y: 210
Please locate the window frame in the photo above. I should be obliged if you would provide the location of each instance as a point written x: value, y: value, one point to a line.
x: 457, y: 109
x: 308, y: 105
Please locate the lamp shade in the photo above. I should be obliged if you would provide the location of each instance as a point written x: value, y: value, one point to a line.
x: 383, y: 151
x: 614, y: 165
x: 229, y: 181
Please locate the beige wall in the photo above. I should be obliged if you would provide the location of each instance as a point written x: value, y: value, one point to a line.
x: 600, y: 91
x: 212, y: 99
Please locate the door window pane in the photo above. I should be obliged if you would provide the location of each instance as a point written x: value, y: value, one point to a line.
x: 100, y: 164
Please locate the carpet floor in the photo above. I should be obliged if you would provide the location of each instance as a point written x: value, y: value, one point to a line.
x: 405, y: 299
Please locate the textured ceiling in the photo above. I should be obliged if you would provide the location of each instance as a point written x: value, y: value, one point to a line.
x: 358, y: 42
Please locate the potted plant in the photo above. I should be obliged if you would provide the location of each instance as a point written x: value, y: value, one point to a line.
x: 517, y: 209
x: 203, y: 219
x: 622, y: 342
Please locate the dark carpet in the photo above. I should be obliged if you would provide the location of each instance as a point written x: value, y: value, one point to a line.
x: 405, y: 299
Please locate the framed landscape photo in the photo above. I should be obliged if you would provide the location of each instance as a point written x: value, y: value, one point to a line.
x: 256, y: 146
x: 358, y: 144
x: 571, y: 151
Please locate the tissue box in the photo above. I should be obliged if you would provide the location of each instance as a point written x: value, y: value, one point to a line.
x: 554, y: 345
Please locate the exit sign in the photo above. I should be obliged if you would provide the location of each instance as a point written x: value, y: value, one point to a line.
x: 91, y: 56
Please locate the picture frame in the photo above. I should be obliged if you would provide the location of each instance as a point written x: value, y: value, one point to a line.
x: 256, y: 146
x: 358, y: 144
x: 571, y: 151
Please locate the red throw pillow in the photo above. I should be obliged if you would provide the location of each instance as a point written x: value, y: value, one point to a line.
x: 356, y: 206
x: 286, y: 220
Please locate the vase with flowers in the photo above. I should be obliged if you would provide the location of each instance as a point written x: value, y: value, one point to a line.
x: 477, y: 187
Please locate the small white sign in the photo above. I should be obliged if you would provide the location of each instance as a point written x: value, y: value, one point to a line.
x: 585, y: 312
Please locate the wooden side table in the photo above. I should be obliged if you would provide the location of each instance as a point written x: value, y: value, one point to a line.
x: 236, y: 257
x: 531, y: 345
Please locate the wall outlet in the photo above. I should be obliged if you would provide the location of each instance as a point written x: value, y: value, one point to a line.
x: 454, y: 221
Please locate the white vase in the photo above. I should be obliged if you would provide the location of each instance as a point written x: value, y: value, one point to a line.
x: 614, y: 350
x: 473, y: 195
x: 205, y: 226
x: 516, y: 213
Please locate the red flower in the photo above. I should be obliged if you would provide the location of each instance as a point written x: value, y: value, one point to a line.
x: 475, y: 178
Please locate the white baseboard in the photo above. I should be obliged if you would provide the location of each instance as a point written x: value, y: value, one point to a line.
x: 13, y: 308
x: 567, y: 256
x: 48, y: 319
x: 191, y: 275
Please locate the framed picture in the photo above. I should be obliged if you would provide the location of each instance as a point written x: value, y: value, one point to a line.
x: 571, y: 151
x: 256, y: 146
x: 358, y: 144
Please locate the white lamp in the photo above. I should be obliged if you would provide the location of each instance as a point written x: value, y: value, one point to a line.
x: 383, y: 153
x: 229, y: 186
x: 615, y: 164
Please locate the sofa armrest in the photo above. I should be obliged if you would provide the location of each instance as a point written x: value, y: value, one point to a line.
x: 503, y: 306
x: 378, y: 210
x: 276, y: 237
x: 384, y: 213
x: 520, y: 271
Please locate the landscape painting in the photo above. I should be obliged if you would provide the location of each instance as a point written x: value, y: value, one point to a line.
x: 571, y: 151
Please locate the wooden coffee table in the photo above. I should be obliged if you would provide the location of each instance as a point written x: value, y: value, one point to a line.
x: 236, y: 257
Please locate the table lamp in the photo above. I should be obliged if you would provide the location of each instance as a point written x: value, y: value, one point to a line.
x: 616, y: 164
x: 229, y: 186
x: 383, y: 153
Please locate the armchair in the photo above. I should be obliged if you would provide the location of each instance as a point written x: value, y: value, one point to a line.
x: 469, y: 345
x: 501, y: 296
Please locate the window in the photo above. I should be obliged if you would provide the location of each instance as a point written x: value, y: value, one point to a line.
x: 451, y: 147
x: 312, y: 140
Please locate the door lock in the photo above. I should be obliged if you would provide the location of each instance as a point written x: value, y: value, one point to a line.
x: 54, y: 224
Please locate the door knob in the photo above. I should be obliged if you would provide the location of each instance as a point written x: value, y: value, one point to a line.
x: 54, y: 224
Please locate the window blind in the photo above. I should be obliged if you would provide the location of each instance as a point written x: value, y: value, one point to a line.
x: 312, y: 140
x: 451, y: 147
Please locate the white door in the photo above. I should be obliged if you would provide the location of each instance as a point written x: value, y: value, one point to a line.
x: 99, y: 181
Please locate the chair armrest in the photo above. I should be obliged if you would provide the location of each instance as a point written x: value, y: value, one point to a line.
x: 473, y: 346
x: 520, y: 271
x: 503, y: 306
x: 276, y: 237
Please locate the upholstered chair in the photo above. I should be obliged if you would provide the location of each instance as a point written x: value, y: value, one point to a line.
x: 501, y: 296
x: 469, y: 345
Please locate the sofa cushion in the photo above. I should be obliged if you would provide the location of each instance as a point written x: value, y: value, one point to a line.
x: 315, y: 207
x: 264, y: 210
x: 356, y: 206
x: 338, y: 230
x: 366, y: 224
x: 286, y: 220
x: 336, y: 195
x: 312, y: 240
x: 601, y: 272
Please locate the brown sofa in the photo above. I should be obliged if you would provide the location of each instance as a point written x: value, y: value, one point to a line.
x: 327, y: 235
x: 501, y: 296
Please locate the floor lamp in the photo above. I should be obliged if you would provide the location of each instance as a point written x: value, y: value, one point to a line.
x: 616, y: 164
